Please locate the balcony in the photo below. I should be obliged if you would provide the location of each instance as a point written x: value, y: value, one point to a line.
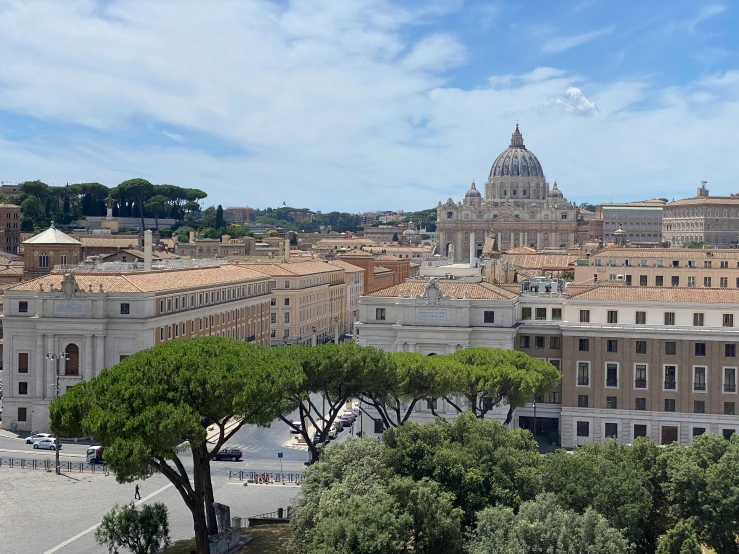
x: 699, y: 386
x: 729, y: 387
x: 612, y: 382
x: 640, y: 383
x: 670, y: 385
x: 583, y: 381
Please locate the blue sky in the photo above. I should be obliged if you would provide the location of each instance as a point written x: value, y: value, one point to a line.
x: 369, y: 104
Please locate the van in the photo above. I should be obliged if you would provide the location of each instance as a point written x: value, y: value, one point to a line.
x: 95, y: 455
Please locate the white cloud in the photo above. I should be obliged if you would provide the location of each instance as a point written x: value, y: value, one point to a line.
x: 560, y: 44
x: 342, y: 106
x: 704, y: 13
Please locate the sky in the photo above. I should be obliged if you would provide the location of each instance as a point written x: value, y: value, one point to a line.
x: 369, y: 104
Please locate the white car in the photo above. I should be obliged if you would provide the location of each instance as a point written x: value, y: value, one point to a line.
x: 296, y: 431
x: 46, y: 444
x: 37, y: 437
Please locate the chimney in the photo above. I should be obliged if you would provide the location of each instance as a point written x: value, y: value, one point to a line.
x: 192, y: 237
x: 147, y: 250
x: 287, y: 249
x: 225, y: 239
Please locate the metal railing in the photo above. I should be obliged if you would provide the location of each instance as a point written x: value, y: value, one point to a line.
x: 640, y: 384
x: 265, y: 477
x: 729, y: 387
x: 670, y: 384
x: 583, y: 381
x: 49, y: 465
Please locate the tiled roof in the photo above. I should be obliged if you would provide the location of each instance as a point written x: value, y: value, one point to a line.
x: 704, y: 200
x: 346, y: 266
x: 154, y: 281
x: 52, y: 235
x: 474, y: 291
x: 663, y: 295
x: 109, y: 241
x: 356, y: 254
x: 540, y: 261
x: 292, y: 269
x: 520, y: 250
x: 667, y: 253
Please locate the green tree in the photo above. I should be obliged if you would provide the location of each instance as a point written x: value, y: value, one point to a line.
x: 209, y: 216
x: 395, y: 237
x: 156, y: 205
x: 587, y: 206
x: 480, y: 461
x: 27, y: 224
x: 680, y: 540
x: 144, y: 408
x: 694, y: 244
x: 488, y: 376
x: 219, y: 217
x: 338, y: 372
x: 544, y: 526
x: 142, y: 531
x: 35, y: 188
x: 32, y: 208
x: 138, y: 190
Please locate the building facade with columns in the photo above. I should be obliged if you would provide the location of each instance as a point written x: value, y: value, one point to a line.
x: 77, y: 324
x: 713, y: 220
x: 518, y: 209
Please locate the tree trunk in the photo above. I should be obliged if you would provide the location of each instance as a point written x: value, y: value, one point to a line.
x: 509, y: 417
x: 210, y: 510
x: 202, y: 543
x: 141, y: 211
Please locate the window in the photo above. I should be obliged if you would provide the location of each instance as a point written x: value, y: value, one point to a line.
x: 728, y: 408
x: 670, y: 377
x: 22, y: 387
x: 707, y: 282
x: 670, y: 348
x: 730, y: 350
x: 699, y: 406
x: 729, y: 379
x: 583, y: 374
x: 728, y: 320
x: 611, y: 374
x: 584, y: 316
x: 611, y: 430
x: 555, y: 343
x: 380, y: 314
x: 641, y: 318
x: 669, y: 404
x: 541, y: 314
x: 557, y: 314
x: 273, y: 333
x: 640, y: 376
x: 669, y: 318
x: 640, y: 430
x: 699, y: 379
x: 23, y: 307
x: 583, y: 428
x: 659, y: 281
x: 22, y: 362
x: 697, y: 431
x: 273, y: 301
x: 727, y: 433
x: 612, y: 345
x: 450, y: 215
x: 642, y: 280
x: 640, y: 404
x: 538, y: 342
x: 489, y: 316
x: 524, y: 341
x: 273, y: 318
x: 724, y: 265
x: 287, y: 301
x: 724, y: 282
x: 564, y: 216
x: 612, y: 316
x: 43, y: 260
x: 641, y: 346
x: 161, y: 334
x: 525, y: 313
x: 286, y: 317
x: 125, y: 308
x: 700, y: 348
x: 22, y: 414
x: 697, y: 320
x: 611, y: 402
x: 582, y: 400
x: 287, y: 284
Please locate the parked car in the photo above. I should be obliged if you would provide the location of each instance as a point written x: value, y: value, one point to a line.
x: 338, y: 426
x: 346, y: 420
x: 298, y: 425
x: 37, y: 437
x: 46, y: 444
x: 333, y: 432
x: 233, y: 454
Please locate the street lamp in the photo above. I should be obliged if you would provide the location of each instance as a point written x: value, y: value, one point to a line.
x: 56, y: 358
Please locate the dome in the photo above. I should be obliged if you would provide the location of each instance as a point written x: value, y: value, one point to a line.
x: 516, y: 160
x: 555, y: 192
x: 473, y: 192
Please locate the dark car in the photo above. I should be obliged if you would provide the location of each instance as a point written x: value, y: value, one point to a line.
x: 233, y: 454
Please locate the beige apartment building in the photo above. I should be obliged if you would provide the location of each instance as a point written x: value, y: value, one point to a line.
x: 662, y: 267
x: 307, y: 303
x: 354, y: 279
x: 74, y: 325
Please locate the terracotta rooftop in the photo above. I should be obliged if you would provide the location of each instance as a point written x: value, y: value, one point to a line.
x: 540, y: 261
x: 346, y: 266
x: 704, y: 200
x: 292, y: 269
x: 667, y: 253
x: 520, y: 250
x: 111, y: 241
x: 474, y: 291
x: 663, y: 295
x: 154, y: 281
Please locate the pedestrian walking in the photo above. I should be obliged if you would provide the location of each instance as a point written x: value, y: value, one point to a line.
x: 137, y: 496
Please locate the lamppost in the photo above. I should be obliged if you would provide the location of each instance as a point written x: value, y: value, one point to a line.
x: 56, y: 358
x: 284, y: 340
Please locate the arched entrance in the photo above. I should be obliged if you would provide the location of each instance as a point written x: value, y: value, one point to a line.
x: 72, y: 365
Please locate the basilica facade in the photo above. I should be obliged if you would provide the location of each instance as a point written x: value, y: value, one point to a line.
x: 518, y: 209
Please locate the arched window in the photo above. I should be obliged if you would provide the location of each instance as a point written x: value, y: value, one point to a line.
x: 72, y: 365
